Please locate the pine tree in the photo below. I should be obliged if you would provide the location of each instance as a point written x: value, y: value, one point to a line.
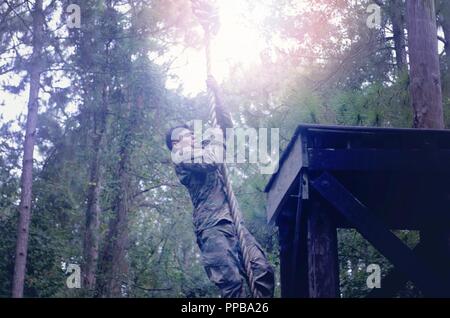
x: 34, y: 70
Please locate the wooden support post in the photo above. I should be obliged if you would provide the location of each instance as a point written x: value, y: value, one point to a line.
x: 286, y: 233
x: 323, y: 261
x: 300, y: 259
x: 372, y: 229
x: 435, y: 241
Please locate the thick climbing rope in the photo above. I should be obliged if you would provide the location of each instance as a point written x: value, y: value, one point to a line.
x: 224, y: 175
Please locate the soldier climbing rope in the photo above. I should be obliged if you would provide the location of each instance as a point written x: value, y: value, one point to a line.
x: 209, y: 29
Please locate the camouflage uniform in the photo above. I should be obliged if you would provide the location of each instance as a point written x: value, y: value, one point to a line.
x: 216, y: 234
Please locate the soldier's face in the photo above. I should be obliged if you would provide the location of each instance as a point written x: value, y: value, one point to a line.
x: 184, y: 140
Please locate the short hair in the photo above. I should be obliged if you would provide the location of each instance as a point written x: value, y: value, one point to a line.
x: 169, y: 141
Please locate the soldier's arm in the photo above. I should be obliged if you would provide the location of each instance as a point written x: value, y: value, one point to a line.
x: 208, y: 163
x: 183, y: 174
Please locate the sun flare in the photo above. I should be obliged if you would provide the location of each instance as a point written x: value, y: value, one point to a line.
x: 238, y: 42
x: 239, y: 39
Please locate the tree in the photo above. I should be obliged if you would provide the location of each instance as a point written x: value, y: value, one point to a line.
x: 94, y: 60
x: 425, y: 81
x: 34, y: 70
x: 396, y: 11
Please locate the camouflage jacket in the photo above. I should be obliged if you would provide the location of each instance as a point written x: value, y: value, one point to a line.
x: 207, y: 193
x: 205, y: 185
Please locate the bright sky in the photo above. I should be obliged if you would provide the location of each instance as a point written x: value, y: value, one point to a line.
x: 12, y: 105
x: 238, y: 42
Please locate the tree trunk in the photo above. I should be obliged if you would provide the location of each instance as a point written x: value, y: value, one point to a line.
x: 114, y: 261
x: 91, y: 236
x: 28, y: 150
x: 398, y: 29
x: 426, y: 98
x: 119, y: 269
x: 425, y: 81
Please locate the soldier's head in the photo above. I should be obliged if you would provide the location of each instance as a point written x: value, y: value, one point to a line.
x: 179, y: 137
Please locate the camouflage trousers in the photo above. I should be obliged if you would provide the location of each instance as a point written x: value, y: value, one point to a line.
x: 223, y: 262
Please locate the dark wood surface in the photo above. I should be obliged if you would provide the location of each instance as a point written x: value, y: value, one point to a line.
x: 323, y: 263
x: 284, y: 184
x: 373, y: 230
x: 381, y: 179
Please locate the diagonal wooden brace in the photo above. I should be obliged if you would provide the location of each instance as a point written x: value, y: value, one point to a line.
x: 374, y: 231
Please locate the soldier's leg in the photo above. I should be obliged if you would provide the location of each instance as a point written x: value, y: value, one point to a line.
x: 262, y: 270
x: 218, y: 246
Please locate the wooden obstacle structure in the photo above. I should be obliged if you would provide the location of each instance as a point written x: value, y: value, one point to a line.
x: 370, y: 179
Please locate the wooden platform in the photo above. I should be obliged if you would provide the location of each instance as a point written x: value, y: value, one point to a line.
x: 371, y: 179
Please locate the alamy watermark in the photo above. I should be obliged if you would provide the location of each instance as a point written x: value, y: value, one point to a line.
x: 74, y: 279
x: 73, y: 16
x: 374, y: 279
x: 209, y: 146
x: 374, y: 19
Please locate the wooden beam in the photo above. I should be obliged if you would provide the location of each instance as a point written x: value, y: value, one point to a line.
x: 372, y: 229
x: 323, y: 261
x: 378, y: 160
x: 380, y: 139
x: 394, y: 280
x: 284, y: 181
x: 428, y: 250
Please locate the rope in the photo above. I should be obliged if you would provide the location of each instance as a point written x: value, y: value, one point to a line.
x: 235, y: 211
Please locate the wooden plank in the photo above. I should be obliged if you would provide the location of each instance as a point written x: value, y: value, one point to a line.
x: 284, y: 181
x: 372, y: 229
x: 379, y: 160
x: 407, y: 138
x: 323, y: 261
x: 444, y: 133
x: 379, y: 140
